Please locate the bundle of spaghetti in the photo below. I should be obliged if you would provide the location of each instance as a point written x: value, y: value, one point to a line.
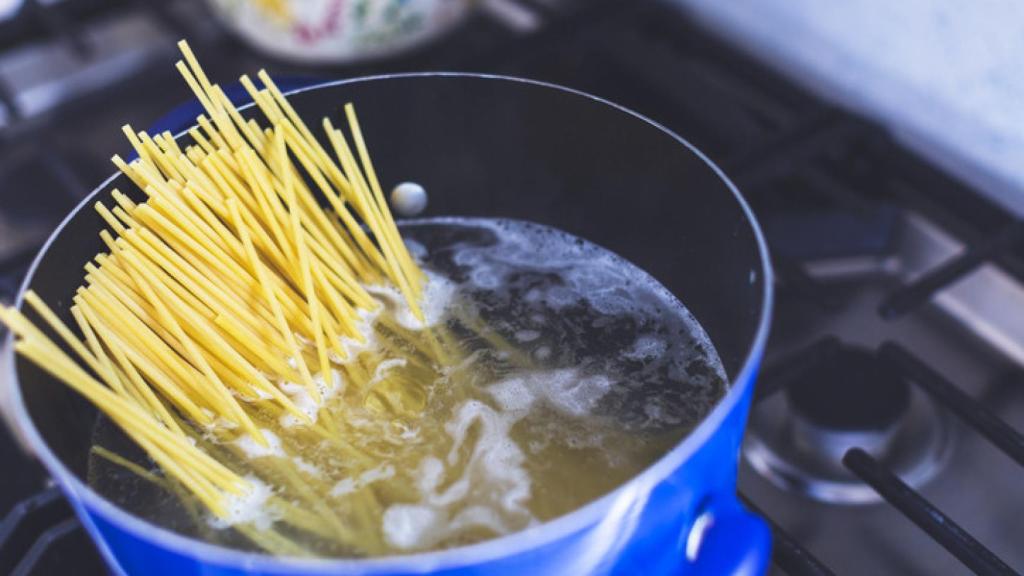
x: 231, y: 309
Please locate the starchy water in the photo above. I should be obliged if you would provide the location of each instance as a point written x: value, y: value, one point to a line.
x: 564, y: 371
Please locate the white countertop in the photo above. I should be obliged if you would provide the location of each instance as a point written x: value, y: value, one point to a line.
x: 946, y: 75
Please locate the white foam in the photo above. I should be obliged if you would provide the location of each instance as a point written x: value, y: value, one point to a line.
x: 564, y: 390
x: 416, y: 249
x: 220, y: 422
x: 437, y: 296
x: 586, y: 271
x: 247, y: 508
x: 494, y: 481
x: 406, y: 433
x: 435, y: 299
x: 526, y: 335
x: 494, y: 476
x: 260, y: 395
x: 646, y: 348
x: 344, y: 486
x: 485, y: 278
x: 385, y: 367
x: 254, y: 449
x: 411, y: 525
x: 351, y: 484
x: 304, y: 401
x: 514, y: 395
x: 482, y: 482
x: 352, y: 346
x: 305, y: 466
x: 329, y: 389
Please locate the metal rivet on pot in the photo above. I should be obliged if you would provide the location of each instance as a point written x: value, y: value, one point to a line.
x: 409, y: 198
x: 696, y: 536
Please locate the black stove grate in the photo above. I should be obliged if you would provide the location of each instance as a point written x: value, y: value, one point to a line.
x: 926, y: 515
x: 787, y: 553
x: 918, y: 292
x: 40, y: 535
x: 944, y: 530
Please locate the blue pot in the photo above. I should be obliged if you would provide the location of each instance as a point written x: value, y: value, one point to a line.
x: 492, y: 146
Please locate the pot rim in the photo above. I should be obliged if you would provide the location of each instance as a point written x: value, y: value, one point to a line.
x: 589, y: 514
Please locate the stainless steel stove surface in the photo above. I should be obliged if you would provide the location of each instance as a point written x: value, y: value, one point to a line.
x: 884, y: 438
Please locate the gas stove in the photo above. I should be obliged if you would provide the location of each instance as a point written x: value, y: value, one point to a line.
x: 884, y: 436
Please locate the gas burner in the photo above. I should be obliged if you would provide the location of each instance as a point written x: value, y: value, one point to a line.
x: 852, y: 399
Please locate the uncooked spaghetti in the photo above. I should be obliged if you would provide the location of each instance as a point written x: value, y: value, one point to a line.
x: 230, y: 297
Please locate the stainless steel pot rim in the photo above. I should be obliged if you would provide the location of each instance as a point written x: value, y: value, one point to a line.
x: 590, y: 514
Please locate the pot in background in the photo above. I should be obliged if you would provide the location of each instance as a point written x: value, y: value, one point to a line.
x: 338, y: 31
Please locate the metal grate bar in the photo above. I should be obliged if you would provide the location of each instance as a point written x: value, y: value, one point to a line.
x: 784, y: 152
x: 58, y: 25
x: 9, y: 103
x: 845, y: 195
x: 44, y: 544
x: 22, y: 525
x: 919, y: 291
x: 792, y: 273
x: 981, y: 418
x: 787, y: 554
x: 62, y: 171
x: 786, y: 370
x: 944, y: 530
x: 162, y: 12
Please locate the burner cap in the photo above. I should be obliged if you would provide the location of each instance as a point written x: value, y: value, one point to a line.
x: 852, y: 391
x: 853, y: 399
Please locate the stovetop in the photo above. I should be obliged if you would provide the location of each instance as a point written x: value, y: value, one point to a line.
x: 884, y: 435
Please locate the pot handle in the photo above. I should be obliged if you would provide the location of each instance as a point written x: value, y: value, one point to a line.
x: 727, y: 539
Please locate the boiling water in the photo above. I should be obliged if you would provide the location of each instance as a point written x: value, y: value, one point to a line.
x: 567, y: 371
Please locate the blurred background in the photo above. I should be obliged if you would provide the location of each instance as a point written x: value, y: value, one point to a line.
x: 880, y: 144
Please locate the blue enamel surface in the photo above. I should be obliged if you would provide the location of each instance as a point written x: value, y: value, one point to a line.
x: 643, y: 531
